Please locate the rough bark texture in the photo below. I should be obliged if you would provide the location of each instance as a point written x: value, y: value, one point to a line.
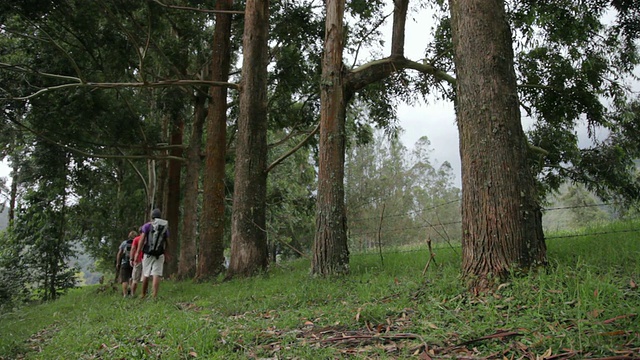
x: 211, y: 253
x: 187, y: 259
x: 14, y: 195
x: 172, y: 210
x: 399, y: 20
x: 162, y: 174
x: 501, y: 222
x: 153, y: 188
x: 248, y: 233
x: 330, y: 251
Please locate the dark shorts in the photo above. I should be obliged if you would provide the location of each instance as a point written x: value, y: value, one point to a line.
x: 125, y: 273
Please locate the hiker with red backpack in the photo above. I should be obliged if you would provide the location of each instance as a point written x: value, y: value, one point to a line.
x: 153, y: 243
x: 123, y: 266
x: 136, y: 263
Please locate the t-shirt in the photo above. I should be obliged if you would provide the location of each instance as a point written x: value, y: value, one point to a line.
x: 124, y: 258
x: 146, y: 229
x: 136, y: 242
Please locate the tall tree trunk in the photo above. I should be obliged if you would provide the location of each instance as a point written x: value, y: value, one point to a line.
x: 14, y: 194
x: 172, y: 209
x: 162, y: 172
x: 501, y: 222
x: 330, y: 251
x: 153, y: 188
x: 248, y: 233
x: 187, y: 259
x: 211, y: 251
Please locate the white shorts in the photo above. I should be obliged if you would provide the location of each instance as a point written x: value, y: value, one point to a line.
x: 152, y: 266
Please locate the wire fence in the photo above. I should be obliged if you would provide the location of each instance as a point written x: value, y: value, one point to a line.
x: 441, y: 223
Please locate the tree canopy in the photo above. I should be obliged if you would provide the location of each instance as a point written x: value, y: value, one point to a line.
x: 100, y: 99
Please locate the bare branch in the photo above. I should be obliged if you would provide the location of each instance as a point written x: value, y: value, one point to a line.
x: 374, y: 28
x: 293, y: 150
x: 164, y: 83
x: 22, y: 69
x: 63, y: 51
x: 100, y: 156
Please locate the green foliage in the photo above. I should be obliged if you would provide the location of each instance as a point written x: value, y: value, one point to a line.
x: 584, y: 304
x: 34, y: 260
x: 579, y: 58
x: 575, y: 64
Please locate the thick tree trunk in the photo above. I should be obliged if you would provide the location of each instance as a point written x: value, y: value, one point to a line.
x: 501, y: 222
x: 330, y: 250
x: 211, y: 251
x: 172, y: 209
x: 248, y: 231
x: 187, y: 259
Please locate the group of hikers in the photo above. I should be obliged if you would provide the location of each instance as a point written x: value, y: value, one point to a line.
x: 142, y: 256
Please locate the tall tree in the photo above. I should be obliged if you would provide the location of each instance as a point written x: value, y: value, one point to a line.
x: 211, y: 250
x: 330, y: 251
x: 188, y: 232
x: 501, y: 217
x: 338, y: 86
x: 248, y: 231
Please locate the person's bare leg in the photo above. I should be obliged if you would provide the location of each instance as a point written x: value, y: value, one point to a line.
x: 145, y: 286
x: 155, y: 286
x: 124, y: 289
x: 134, y: 286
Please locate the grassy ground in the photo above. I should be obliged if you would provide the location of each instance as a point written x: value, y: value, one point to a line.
x: 585, y: 305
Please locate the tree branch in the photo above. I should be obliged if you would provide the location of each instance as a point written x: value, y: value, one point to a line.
x: 293, y: 150
x: 116, y: 85
x: 100, y: 156
x: 377, y: 70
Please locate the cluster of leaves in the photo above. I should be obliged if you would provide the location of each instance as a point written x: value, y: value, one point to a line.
x: 34, y: 262
x: 580, y: 58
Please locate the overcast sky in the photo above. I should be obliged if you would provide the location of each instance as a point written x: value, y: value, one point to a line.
x: 436, y: 120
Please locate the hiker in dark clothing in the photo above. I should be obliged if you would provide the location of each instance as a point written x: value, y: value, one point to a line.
x: 123, y: 265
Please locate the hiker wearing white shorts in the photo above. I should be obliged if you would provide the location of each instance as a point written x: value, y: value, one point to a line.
x: 153, y: 241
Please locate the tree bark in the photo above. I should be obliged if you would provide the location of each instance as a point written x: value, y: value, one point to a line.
x: 501, y: 218
x: 162, y: 174
x: 330, y: 249
x: 172, y: 208
x: 248, y: 233
x: 187, y: 260
x: 14, y: 194
x: 399, y: 21
x: 211, y: 251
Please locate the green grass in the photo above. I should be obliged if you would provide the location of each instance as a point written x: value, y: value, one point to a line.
x: 584, y: 305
